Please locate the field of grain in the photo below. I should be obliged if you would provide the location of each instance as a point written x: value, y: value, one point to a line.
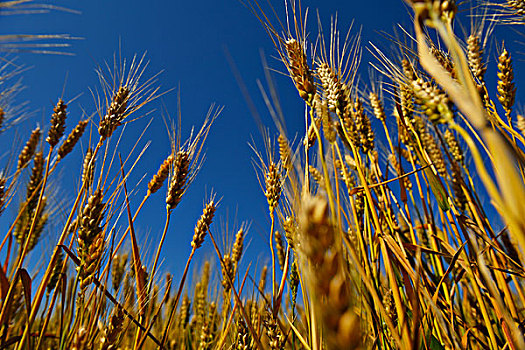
x: 396, y: 219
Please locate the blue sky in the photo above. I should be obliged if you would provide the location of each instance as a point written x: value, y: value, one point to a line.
x: 187, y: 41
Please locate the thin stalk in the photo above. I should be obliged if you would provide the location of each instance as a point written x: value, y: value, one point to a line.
x: 159, y: 309
x: 53, y: 300
x: 272, y: 251
x: 121, y: 241
x: 159, y: 247
x: 179, y: 292
x: 326, y: 173
x: 63, y: 339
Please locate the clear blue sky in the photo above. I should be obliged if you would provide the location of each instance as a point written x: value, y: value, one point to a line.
x: 187, y: 40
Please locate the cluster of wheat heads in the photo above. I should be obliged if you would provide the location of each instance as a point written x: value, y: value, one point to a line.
x: 88, y: 291
x: 380, y: 234
x: 396, y: 249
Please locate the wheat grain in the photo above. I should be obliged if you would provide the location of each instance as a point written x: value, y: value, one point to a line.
x: 118, y: 270
x: 299, y: 69
x: 58, y: 123
x: 90, y: 238
x: 475, y: 57
x: 88, y: 168
x: 29, y: 148
x: 506, y: 87
x: 280, y: 248
x: 273, y: 186
x: 178, y: 179
x: 162, y: 174
x: 238, y: 245
x: 72, y: 139
x: 203, y: 225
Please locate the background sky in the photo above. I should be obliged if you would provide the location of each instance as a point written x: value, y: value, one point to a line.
x: 187, y: 41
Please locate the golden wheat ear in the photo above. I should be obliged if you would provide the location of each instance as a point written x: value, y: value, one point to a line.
x: 29, y: 148
x: 72, y: 139
x: 125, y: 92
x: 90, y: 238
x: 506, y: 87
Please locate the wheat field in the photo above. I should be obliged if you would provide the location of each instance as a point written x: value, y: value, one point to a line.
x: 396, y: 219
